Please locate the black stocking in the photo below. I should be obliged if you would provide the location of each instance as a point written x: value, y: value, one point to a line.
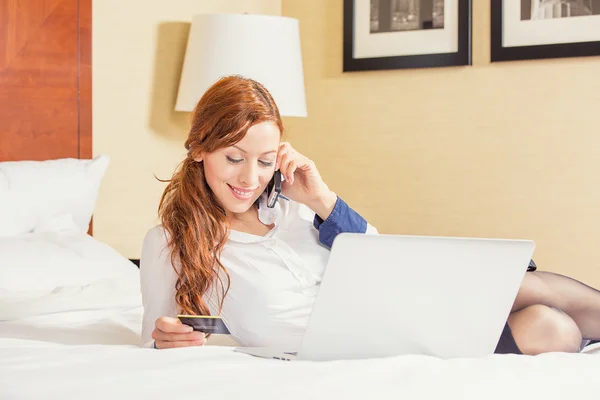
x: 579, y: 301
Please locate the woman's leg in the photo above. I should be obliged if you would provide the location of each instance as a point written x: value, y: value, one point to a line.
x: 540, y: 329
x: 577, y: 300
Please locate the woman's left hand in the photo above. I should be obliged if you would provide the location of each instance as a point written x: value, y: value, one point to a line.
x: 303, y: 183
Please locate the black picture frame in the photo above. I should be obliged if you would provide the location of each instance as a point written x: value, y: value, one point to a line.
x: 559, y: 50
x: 462, y: 57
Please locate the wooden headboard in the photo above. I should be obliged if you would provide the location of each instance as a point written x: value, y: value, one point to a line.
x: 45, y: 79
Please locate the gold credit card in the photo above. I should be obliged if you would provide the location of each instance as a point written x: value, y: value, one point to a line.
x: 205, y: 323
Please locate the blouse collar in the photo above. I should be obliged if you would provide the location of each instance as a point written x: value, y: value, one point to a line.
x: 267, y: 216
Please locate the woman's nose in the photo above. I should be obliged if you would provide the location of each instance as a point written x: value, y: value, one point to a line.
x: 249, y: 176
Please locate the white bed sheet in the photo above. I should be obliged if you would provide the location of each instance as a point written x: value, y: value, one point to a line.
x: 76, y: 355
x: 83, y: 343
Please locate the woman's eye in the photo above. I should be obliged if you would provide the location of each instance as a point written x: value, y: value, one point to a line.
x: 233, y: 160
x: 266, y: 163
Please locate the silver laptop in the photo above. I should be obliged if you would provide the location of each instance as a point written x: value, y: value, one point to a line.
x: 388, y: 295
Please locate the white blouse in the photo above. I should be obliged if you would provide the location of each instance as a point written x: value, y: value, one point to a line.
x: 273, y: 278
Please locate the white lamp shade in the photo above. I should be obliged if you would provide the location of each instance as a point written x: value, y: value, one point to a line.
x: 260, y: 47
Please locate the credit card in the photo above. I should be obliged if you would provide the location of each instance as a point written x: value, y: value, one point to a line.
x: 205, y: 323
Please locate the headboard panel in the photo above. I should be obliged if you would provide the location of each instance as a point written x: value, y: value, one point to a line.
x: 45, y: 79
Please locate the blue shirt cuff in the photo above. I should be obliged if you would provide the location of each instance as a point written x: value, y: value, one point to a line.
x: 342, y: 219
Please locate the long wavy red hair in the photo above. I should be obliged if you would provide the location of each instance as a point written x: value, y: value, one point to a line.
x: 196, y: 223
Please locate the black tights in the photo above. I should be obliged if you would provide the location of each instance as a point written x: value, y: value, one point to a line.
x: 578, y: 301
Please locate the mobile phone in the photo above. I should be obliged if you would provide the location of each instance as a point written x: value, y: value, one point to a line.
x: 274, y: 189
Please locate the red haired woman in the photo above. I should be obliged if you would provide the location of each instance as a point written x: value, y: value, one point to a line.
x: 221, y: 251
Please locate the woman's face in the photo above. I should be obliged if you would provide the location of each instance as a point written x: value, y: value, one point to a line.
x: 238, y: 175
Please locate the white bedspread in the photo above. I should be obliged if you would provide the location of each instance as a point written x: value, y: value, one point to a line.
x: 81, y: 342
x: 74, y: 356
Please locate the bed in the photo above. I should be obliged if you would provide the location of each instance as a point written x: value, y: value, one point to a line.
x: 70, y: 322
x: 70, y: 305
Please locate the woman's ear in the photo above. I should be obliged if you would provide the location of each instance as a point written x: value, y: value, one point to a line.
x: 195, y: 155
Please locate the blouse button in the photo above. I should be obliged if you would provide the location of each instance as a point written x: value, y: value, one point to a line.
x: 269, y: 243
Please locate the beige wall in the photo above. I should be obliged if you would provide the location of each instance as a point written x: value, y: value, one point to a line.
x: 138, y: 49
x: 493, y: 150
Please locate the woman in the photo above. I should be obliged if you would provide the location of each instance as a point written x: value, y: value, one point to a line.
x: 221, y: 251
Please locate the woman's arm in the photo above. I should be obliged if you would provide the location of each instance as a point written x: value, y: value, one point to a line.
x: 304, y: 184
x: 157, y: 279
x: 344, y: 219
x: 341, y: 219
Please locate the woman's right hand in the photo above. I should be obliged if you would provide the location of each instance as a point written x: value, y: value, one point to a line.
x: 170, y: 333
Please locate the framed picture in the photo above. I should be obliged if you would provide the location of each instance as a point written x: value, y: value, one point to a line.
x: 534, y: 29
x: 393, y: 34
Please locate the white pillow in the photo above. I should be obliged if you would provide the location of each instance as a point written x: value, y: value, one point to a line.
x: 49, y: 260
x: 51, y: 272
x: 34, y: 192
x: 62, y: 223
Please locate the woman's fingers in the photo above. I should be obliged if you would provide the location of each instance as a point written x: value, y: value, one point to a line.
x: 176, y: 337
x: 290, y: 169
x: 170, y: 332
x: 288, y: 166
x: 160, y: 344
x: 172, y: 325
x: 284, y: 148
